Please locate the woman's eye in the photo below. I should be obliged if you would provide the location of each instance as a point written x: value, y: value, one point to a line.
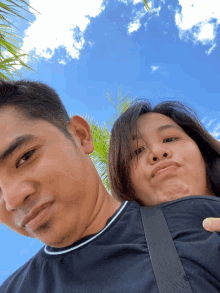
x: 170, y: 138
x: 137, y: 152
x: 25, y: 157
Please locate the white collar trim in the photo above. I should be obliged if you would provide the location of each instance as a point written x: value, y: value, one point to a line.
x: 89, y: 240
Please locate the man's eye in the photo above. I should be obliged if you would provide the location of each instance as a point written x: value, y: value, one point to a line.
x: 25, y: 157
x: 170, y: 138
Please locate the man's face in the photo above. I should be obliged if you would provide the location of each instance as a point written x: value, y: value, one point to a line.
x: 188, y: 177
x: 47, y: 170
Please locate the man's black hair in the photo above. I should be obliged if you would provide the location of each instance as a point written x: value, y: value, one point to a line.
x: 36, y: 101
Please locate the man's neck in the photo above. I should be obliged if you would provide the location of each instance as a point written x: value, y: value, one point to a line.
x: 106, y: 206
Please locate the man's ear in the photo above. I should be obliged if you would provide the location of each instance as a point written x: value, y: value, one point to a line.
x: 80, y: 128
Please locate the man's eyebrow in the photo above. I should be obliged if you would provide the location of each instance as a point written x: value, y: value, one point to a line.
x: 15, y: 145
x: 160, y: 129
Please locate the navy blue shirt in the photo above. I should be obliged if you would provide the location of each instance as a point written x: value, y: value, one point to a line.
x: 117, y: 260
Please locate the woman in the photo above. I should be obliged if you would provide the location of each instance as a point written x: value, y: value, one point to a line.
x: 124, y: 146
x: 163, y: 155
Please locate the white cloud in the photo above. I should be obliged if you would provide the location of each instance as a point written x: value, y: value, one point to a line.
x: 206, y: 32
x: 160, y: 69
x: 212, y: 126
x: 203, y: 120
x: 210, y: 122
x: 215, y: 133
x: 156, y: 10
x: 198, y: 21
x: 137, y: 1
x: 62, y: 61
x: 154, y: 68
x: 131, y: 1
x: 60, y: 25
x: 210, y: 50
x: 135, y: 24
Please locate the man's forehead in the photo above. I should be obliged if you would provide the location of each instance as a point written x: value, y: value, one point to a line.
x: 15, y: 121
x: 17, y: 130
x: 11, y: 118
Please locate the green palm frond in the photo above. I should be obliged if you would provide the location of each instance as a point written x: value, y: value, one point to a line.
x: 146, y: 5
x: 101, y: 139
x: 121, y: 105
x: 101, y: 135
x: 11, y: 56
x: 10, y: 9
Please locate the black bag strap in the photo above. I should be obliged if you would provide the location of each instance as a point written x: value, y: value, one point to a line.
x: 168, y: 269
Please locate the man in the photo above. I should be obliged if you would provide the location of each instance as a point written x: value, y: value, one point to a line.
x: 50, y: 190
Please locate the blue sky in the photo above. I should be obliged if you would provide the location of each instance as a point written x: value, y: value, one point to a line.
x: 85, y: 48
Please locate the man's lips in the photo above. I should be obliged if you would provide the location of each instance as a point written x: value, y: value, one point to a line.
x: 33, y: 213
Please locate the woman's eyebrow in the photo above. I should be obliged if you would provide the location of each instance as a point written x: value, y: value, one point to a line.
x: 163, y: 127
x: 159, y: 129
x: 15, y: 145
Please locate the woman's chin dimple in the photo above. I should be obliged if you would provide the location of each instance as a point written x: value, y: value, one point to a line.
x: 171, y: 190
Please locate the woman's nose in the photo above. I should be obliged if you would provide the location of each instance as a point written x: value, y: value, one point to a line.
x: 157, y: 154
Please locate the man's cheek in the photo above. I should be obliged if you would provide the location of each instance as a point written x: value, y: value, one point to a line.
x: 21, y: 231
x: 6, y: 219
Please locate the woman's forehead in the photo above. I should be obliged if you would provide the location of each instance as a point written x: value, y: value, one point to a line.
x: 153, y: 121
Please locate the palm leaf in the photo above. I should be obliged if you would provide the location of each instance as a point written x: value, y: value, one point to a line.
x: 11, y: 55
x: 101, y: 139
x: 121, y: 105
x: 10, y: 10
x: 101, y: 135
x: 146, y: 5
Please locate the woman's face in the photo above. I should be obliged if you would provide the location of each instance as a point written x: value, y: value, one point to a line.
x: 164, y: 139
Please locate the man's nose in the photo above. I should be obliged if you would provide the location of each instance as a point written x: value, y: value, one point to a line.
x: 16, y: 195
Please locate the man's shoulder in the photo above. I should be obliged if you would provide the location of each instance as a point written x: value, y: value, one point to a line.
x: 125, y: 207
x: 46, y: 268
